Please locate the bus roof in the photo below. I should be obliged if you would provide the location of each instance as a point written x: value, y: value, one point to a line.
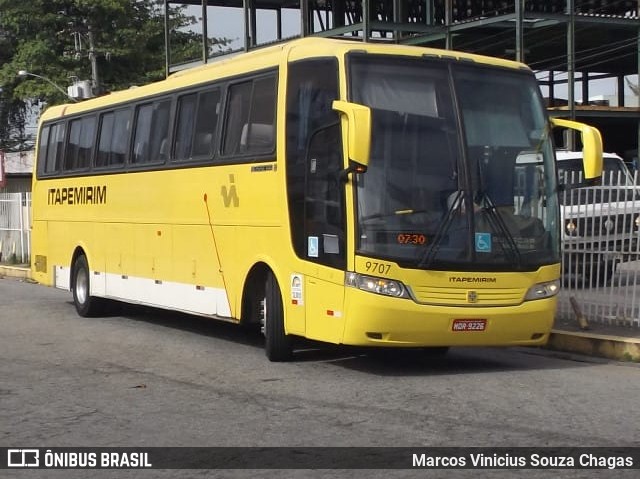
x: 264, y: 58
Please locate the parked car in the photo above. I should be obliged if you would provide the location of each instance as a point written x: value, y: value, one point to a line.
x: 600, y: 223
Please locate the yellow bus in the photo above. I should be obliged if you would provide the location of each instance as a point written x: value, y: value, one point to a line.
x: 352, y: 193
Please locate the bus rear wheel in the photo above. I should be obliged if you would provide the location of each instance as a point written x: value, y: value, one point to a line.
x: 278, y: 344
x: 86, y: 305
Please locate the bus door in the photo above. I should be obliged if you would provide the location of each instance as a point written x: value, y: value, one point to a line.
x: 325, y: 234
x: 316, y: 197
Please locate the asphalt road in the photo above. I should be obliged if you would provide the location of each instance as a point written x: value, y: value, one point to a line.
x: 147, y: 378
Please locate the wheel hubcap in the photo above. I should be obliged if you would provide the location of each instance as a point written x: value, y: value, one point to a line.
x: 82, y: 286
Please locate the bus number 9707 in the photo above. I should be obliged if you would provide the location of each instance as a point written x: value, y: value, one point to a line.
x: 375, y: 267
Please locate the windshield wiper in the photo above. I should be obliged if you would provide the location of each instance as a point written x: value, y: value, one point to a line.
x: 497, y: 224
x: 430, y: 254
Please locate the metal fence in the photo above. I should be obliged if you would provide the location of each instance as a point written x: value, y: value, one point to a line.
x: 15, y: 227
x: 601, y: 251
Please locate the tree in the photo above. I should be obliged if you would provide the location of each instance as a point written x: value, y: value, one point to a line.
x: 59, y: 39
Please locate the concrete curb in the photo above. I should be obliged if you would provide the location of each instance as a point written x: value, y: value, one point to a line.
x: 15, y: 272
x: 590, y: 344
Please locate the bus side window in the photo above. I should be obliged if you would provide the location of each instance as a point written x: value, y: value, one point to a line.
x: 43, y: 143
x: 113, y: 138
x: 197, y: 121
x: 142, y: 133
x: 80, y: 143
x: 250, y: 117
x: 87, y: 140
x: 262, y: 118
x: 237, y: 116
x: 104, y: 139
x: 71, y: 152
x: 150, y: 144
x: 120, y: 138
x: 185, y: 126
x: 55, y: 149
x: 206, y: 122
x: 159, y: 139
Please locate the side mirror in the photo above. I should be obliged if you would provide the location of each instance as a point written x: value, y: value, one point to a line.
x: 357, y: 135
x: 352, y: 168
x: 591, y: 146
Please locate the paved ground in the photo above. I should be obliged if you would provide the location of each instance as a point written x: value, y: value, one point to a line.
x: 152, y: 378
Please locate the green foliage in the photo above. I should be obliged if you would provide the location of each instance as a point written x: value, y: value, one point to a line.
x: 53, y: 38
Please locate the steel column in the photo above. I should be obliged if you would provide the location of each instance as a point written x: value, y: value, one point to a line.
x: 571, y: 65
x: 167, y: 53
x: 205, y: 33
x: 519, y: 30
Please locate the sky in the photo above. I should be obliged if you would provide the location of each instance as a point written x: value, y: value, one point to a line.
x: 227, y: 22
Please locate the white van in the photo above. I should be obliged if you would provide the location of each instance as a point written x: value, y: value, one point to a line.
x: 599, y: 224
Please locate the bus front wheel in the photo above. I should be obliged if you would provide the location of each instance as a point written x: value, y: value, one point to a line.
x: 86, y: 305
x: 278, y: 344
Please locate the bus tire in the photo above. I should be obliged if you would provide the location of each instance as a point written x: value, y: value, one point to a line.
x: 86, y: 305
x: 278, y: 344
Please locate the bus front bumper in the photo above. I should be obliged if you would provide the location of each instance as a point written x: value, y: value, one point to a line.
x: 376, y: 320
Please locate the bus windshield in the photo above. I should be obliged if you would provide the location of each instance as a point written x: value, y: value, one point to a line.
x: 442, y: 190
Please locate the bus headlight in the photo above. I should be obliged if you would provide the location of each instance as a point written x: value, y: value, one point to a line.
x: 637, y: 221
x: 543, y: 290
x: 387, y: 287
x: 571, y: 228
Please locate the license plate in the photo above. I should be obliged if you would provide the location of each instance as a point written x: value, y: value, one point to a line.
x: 469, y: 325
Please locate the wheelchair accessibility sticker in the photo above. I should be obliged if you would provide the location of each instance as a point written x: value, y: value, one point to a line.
x: 312, y: 247
x: 483, y: 242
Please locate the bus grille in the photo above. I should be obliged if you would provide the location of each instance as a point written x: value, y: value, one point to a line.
x: 468, y: 296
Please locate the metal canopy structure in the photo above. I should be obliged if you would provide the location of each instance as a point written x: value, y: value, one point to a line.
x: 571, y: 43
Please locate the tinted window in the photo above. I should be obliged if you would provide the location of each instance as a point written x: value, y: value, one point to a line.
x: 250, y: 117
x: 80, y: 145
x: 314, y: 161
x: 104, y: 143
x: 42, y: 148
x: 151, y: 143
x: 237, y: 116
x: 114, y: 138
x: 120, y: 140
x: 197, y: 121
x: 206, y: 122
x: 186, y: 118
x: 55, y: 149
